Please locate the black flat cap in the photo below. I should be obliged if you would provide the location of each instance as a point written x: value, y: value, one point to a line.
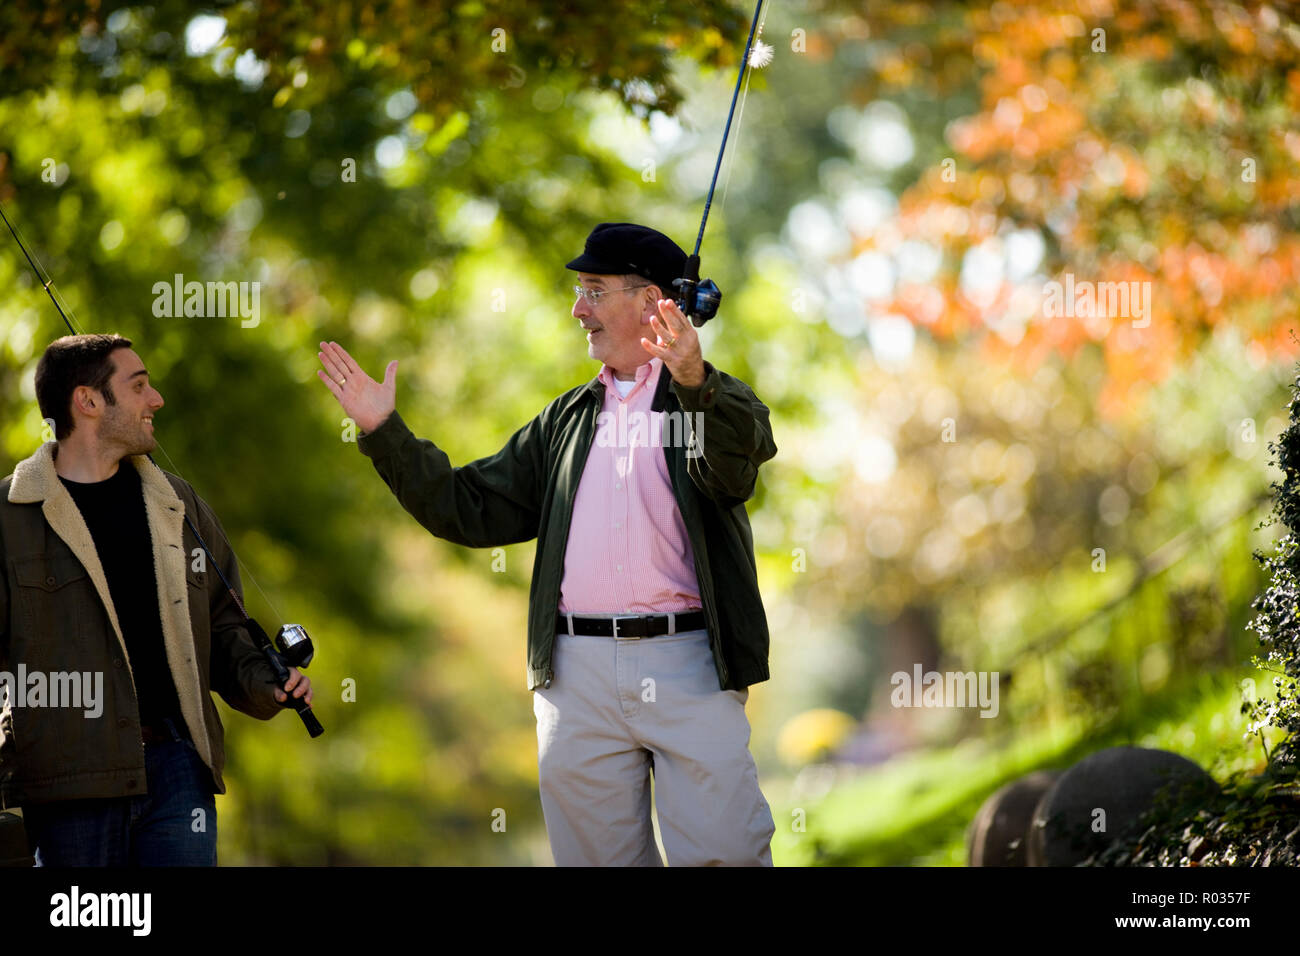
x: 616, y: 248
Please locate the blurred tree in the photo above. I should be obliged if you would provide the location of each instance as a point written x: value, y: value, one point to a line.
x: 1152, y: 143
x: 988, y: 452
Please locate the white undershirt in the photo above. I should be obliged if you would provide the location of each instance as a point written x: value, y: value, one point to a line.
x: 624, y: 387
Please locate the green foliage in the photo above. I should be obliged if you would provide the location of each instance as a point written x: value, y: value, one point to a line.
x: 1278, y: 622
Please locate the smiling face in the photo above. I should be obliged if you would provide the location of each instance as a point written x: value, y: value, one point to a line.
x: 617, y: 322
x: 126, y: 425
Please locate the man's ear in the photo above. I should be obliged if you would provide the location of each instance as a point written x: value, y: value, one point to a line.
x: 653, y: 295
x: 83, y: 400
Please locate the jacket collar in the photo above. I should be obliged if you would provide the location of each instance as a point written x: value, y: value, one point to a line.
x: 578, y: 395
x: 36, y: 480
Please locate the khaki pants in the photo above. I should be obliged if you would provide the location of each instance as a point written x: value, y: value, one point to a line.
x: 619, y: 710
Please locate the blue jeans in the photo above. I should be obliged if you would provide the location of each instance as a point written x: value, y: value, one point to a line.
x: 174, y: 824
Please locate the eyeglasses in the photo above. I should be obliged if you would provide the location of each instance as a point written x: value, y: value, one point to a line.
x: 593, y: 296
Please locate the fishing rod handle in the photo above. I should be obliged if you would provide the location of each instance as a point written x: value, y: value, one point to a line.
x: 309, y: 720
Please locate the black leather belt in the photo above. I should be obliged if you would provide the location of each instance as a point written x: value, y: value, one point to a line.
x: 631, y: 625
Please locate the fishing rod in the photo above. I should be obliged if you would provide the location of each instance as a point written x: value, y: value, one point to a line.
x: 293, y: 646
x: 698, y: 298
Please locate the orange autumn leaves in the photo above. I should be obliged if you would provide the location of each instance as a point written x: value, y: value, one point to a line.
x: 1154, y: 145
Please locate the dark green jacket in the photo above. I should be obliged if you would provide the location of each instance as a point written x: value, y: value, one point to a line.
x: 526, y: 490
x: 57, y: 617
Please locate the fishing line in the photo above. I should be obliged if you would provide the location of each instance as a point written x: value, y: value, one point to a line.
x: 758, y: 58
x: 699, y: 299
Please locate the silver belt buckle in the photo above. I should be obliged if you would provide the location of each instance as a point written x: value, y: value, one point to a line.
x: 625, y: 617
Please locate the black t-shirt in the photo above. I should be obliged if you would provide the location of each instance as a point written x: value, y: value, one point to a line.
x: 115, y: 514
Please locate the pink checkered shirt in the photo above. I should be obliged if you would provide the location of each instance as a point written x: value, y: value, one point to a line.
x: 628, y: 550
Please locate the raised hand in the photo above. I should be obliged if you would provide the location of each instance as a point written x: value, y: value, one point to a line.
x: 366, y: 402
x: 678, y: 345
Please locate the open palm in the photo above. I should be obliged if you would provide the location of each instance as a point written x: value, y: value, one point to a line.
x: 366, y: 402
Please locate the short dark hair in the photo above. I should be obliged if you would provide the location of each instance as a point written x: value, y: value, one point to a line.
x: 69, y: 363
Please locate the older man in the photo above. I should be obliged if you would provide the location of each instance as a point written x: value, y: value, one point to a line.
x: 646, y: 626
x: 101, y: 592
